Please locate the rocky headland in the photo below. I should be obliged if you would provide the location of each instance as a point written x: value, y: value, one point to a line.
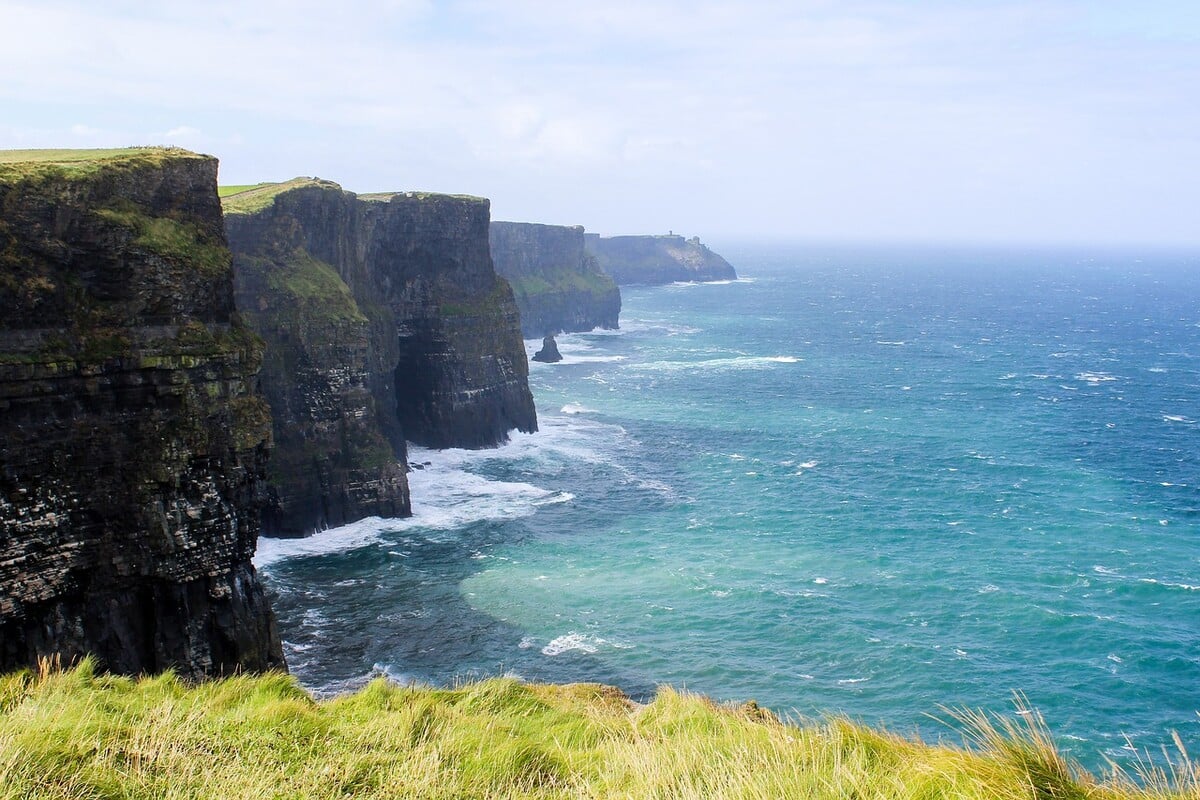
x: 133, y: 440
x: 384, y: 321
x: 657, y: 259
x: 558, y: 285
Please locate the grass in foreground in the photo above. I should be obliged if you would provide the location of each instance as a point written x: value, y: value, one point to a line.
x: 76, y: 734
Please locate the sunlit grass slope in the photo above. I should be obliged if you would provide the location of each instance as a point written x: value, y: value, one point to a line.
x: 81, y: 735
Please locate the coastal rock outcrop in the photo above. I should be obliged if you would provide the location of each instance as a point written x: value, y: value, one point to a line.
x: 657, y: 259
x: 558, y: 285
x: 384, y: 321
x: 549, y: 353
x: 133, y: 440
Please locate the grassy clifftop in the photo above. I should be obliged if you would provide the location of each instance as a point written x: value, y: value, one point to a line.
x: 19, y: 165
x: 75, y: 734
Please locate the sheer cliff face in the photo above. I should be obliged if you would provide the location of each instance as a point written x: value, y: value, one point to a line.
x: 411, y: 281
x: 132, y: 438
x: 333, y: 460
x: 658, y: 259
x: 558, y: 285
x: 463, y: 377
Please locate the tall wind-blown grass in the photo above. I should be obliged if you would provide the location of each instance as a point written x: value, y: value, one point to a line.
x: 78, y: 734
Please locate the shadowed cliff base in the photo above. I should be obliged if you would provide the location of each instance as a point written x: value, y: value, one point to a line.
x: 658, y: 259
x: 132, y: 438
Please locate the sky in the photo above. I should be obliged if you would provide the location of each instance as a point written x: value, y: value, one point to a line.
x: 999, y: 121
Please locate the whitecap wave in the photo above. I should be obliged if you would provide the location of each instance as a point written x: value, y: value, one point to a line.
x: 576, y: 408
x: 573, y: 641
x: 723, y: 364
x: 335, y: 540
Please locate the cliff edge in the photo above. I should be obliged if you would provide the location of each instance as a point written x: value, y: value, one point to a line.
x: 132, y: 437
x: 658, y: 259
x: 558, y: 285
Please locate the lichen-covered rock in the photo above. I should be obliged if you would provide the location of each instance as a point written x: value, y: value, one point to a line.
x: 444, y: 362
x: 132, y: 438
x: 558, y: 285
x: 658, y: 259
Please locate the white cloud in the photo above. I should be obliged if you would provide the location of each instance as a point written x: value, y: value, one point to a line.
x: 852, y: 117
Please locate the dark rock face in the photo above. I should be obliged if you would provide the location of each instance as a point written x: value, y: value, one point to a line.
x: 658, y: 259
x: 132, y: 438
x: 406, y: 304
x: 558, y: 285
x: 333, y: 462
x: 549, y: 353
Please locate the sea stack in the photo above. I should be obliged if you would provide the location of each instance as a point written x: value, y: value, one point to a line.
x: 549, y: 353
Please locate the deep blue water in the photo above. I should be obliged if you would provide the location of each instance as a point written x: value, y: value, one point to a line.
x: 861, y: 481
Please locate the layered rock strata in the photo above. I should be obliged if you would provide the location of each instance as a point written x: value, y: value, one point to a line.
x: 133, y: 440
x: 387, y: 322
x: 558, y: 285
x: 658, y: 259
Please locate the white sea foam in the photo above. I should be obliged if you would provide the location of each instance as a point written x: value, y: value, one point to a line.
x: 572, y: 641
x: 721, y: 282
x: 732, y: 363
x: 893, y: 344
x: 335, y: 540
x: 1176, y: 418
x: 848, y: 681
x: 576, y: 408
x: 447, y: 493
x: 1189, y: 587
x: 1096, y: 378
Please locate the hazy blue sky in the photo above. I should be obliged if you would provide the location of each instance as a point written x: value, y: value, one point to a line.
x: 1050, y: 120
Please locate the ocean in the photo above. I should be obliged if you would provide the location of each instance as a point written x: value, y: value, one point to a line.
x: 877, y: 482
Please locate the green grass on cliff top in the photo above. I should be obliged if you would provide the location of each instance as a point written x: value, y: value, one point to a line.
x: 250, y: 198
x: 18, y: 164
x: 383, y: 197
x: 76, y: 734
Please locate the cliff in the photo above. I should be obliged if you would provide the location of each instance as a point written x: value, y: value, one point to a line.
x: 333, y: 460
x: 384, y: 320
x: 132, y: 438
x: 657, y: 259
x: 558, y: 285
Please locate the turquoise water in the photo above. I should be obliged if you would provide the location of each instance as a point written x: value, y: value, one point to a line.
x: 873, y: 482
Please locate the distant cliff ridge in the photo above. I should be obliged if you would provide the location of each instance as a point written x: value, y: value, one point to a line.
x: 132, y: 438
x: 657, y: 259
x: 558, y: 285
x: 384, y: 320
